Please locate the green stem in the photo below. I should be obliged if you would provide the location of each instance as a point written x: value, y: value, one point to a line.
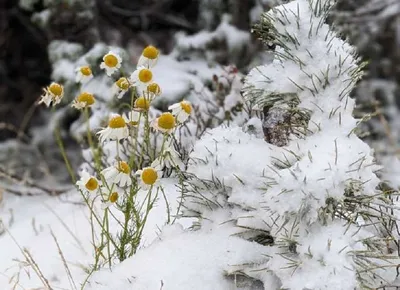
x: 64, y: 154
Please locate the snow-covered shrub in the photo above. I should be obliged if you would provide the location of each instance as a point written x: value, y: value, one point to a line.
x: 312, y: 198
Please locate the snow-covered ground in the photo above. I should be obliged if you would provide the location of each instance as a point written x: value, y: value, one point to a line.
x: 38, y: 223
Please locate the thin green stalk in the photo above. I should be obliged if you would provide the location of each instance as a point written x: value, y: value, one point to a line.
x: 181, y: 200
x: 64, y: 155
x: 148, y: 208
x: 127, y: 217
x: 108, y: 241
x: 90, y: 140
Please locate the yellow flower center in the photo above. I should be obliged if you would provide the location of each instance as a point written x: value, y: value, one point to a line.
x: 142, y: 103
x: 145, y: 75
x: 86, y: 71
x: 111, y: 60
x: 123, y: 84
x: 113, y: 197
x: 124, y: 167
x: 166, y: 121
x: 149, y: 176
x: 116, y: 122
x: 150, y: 52
x: 56, y: 89
x: 91, y: 184
x: 154, y: 88
x: 186, y: 107
x: 86, y: 98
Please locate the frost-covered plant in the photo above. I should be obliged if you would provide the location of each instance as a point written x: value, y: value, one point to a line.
x: 311, y: 198
x: 134, y: 150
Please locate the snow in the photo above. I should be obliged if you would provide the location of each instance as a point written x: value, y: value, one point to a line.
x: 181, y: 260
x: 28, y: 222
x: 233, y: 36
x: 255, y: 214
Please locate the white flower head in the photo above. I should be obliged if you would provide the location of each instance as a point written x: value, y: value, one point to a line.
x: 142, y: 104
x: 120, y: 87
x: 168, y: 158
x: 165, y: 123
x: 110, y: 199
x: 116, y: 129
x: 149, y: 176
x: 88, y: 183
x: 83, y: 74
x: 52, y: 94
x: 153, y: 90
x: 111, y: 63
x: 181, y: 110
x: 132, y: 118
x: 149, y: 57
x: 141, y: 78
x: 84, y: 100
x: 119, y: 173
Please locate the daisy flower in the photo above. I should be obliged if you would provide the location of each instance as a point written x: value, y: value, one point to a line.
x: 165, y: 123
x: 52, y: 94
x: 84, y: 100
x: 149, y: 57
x: 120, y: 87
x: 153, y: 90
x: 149, y: 176
x: 132, y: 118
x: 116, y: 129
x: 169, y: 157
x: 88, y: 183
x: 111, y: 63
x: 111, y: 199
x: 141, y: 104
x: 118, y: 174
x: 83, y: 74
x: 141, y: 78
x: 181, y: 110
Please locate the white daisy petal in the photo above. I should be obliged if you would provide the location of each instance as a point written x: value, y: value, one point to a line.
x: 181, y: 111
x: 111, y: 63
x: 141, y: 78
x: 52, y: 94
x: 83, y: 74
x: 149, y: 176
x: 88, y: 183
x: 118, y: 174
x: 149, y: 57
x: 117, y: 129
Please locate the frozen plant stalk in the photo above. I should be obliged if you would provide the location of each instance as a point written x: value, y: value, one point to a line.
x: 312, y: 201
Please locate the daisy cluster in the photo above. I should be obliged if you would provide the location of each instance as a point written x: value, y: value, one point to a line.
x: 114, y: 183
